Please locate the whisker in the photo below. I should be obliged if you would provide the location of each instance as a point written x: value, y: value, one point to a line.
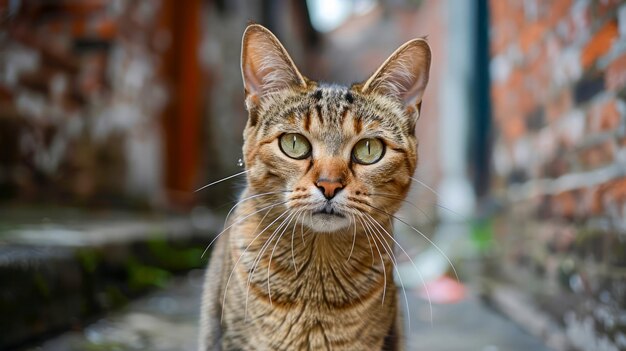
x: 269, y: 264
x: 430, y: 305
x: 259, y: 256
x: 439, y: 196
x: 382, y: 262
x: 403, y: 200
x: 237, y: 222
x: 449, y: 210
x: 394, y: 262
x: 369, y: 242
x: 293, y: 231
x: 302, y: 228
x: 252, y: 197
x: 436, y: 204
x: 423, y: 236
x: 221, y: 180
x: 241, y: 256
x: 353, y: 238
x: 426, y: 186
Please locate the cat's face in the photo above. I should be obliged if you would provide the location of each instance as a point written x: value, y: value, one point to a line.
x: 330, y: 152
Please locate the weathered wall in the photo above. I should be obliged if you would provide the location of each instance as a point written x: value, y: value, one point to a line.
x: 80, y: 101
x: 558, y: 89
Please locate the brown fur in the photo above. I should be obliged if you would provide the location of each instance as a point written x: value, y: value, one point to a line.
x: 276, y: 280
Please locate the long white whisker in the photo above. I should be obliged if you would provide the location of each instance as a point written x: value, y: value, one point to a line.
x: 302, y: 226
x: 239, y: 221
x: 241, y: 256
x: 439, y: 196
x: 368, y: 241
x: 269, y: 264
x: 394, y: 262
x: 382, y: 262
x: 424, y: 236
x: 249, y: 198
x: 426, y: 186
x: 391, y: 196
x: 430, y: 305
x: 353, y: 239
x: 293, y: 231
x: 221, y: 180
x: 259, y: 256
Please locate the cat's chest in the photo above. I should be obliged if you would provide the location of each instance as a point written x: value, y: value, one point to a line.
x: 306, y: 326
x: 293, y: 270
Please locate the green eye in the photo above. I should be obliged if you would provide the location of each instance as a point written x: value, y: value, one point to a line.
x: 295, y: 146
x: 368, y: 151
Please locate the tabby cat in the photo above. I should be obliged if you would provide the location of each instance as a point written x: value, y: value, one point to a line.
x: 305, y: 261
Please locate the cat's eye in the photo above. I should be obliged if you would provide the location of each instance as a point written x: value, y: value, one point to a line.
x: 295, y: 146
x: 368, y: 151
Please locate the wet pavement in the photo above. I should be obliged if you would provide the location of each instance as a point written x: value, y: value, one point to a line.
x: 167, y: 320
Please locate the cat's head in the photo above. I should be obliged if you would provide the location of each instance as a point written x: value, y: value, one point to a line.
x: 331, y: 152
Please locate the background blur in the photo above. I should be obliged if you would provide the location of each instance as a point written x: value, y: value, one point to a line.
x: 113, y: 112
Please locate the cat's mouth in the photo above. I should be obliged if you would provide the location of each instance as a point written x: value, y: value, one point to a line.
x: 327, y: 219
x: 328, y: 209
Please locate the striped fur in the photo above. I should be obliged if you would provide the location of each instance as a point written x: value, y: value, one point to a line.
x: 277, y: 280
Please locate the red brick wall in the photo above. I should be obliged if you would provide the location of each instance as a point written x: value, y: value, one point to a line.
x: 80, y: 101
x: 559, y: 110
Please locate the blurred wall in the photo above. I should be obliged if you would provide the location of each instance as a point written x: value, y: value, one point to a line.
x: 129, y: 102
x: 558, y: 87
x: 81, y: 96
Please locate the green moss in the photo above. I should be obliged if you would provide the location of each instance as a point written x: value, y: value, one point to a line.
x: 115, y: 296
x: 141, y: 276
x: 41, y: 285
x: 88, y: 259
x: 482, y: 234
x: 175, y: 258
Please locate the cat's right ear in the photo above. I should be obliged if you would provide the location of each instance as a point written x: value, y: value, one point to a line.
x: 265, y: 65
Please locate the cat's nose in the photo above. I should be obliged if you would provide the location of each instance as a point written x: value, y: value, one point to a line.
x: 329, y: 188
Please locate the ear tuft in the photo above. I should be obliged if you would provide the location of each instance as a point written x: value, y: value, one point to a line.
x: 265, y: 64
x: 404, y: 75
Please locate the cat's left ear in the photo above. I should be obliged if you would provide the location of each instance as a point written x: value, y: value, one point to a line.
x: 404, y: 75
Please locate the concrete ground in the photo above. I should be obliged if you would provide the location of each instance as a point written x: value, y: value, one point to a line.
x: 167, y: 320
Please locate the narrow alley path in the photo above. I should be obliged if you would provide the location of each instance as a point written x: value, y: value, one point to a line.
x: 167, y: 320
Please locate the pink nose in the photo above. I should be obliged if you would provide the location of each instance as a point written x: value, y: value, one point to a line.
x: 329, y: 187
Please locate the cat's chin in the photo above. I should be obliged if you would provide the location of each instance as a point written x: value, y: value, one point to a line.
x: 326, y: 223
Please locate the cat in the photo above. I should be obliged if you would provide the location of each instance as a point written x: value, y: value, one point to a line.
x: 305, y: 261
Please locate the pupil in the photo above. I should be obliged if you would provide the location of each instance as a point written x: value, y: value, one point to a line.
x: 367, y: 143
x: 294, y: 142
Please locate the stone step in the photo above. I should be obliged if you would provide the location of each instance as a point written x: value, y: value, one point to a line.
x: 62, y: 271
x: 164, y: 320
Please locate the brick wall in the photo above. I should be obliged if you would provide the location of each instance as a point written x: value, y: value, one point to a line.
x: 80, y: 101
x: 558, y: 90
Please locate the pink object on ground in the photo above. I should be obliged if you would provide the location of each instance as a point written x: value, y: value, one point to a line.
x: 443, y: 290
